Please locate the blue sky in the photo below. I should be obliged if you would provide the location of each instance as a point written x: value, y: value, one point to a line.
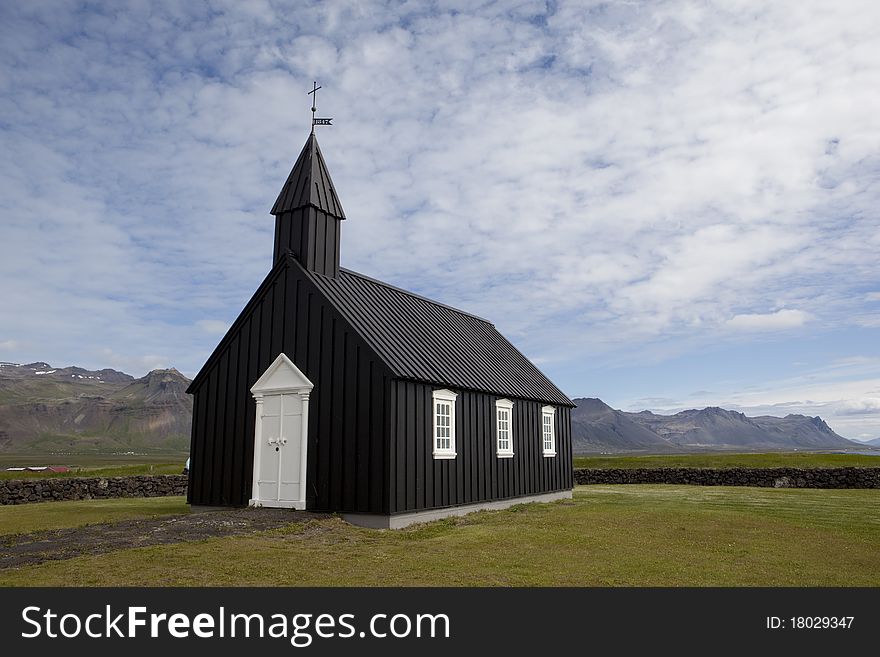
x: 664, y: 204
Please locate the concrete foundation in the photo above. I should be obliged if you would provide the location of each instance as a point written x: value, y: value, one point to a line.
x: 400, y: 520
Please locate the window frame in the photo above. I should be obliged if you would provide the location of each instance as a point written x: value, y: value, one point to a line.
x: 548, y: 412
x: 443, y: 396
x: 506, y: 406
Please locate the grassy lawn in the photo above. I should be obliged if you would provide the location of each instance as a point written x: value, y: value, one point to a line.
x: 25, y: 518
x: 723, y: 460
x: 608, y: 535
x: 90, y: 459
x: 101, y: 471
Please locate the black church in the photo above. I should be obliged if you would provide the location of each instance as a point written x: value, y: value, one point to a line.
x: 333, y: 391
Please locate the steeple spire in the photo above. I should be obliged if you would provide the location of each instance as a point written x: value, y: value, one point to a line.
x: 309, y: 183
x: 308, y: 214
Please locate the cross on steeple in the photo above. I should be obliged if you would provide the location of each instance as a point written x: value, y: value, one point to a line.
x: 314, y: 94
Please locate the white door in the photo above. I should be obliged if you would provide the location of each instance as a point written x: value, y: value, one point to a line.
x: 281, y: 434
x: 279, y: 478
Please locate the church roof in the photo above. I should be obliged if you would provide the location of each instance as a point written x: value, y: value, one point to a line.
x: 309, y: 183
x: 427, y: 341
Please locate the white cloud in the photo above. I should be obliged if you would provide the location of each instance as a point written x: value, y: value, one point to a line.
x: 863, y: 406
x: 213, y: 326
x: 596, y: 178
x: 132, y: 363
x: 780, y: 320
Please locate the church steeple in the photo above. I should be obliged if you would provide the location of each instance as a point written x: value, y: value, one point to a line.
x: 308, y: 214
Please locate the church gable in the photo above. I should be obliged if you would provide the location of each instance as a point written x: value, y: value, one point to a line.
x: 273, y: 319
x: 289, y: 316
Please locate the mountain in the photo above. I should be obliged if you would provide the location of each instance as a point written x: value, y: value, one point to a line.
x: 595, y: 426
x: 873, y: 443
x: 72, y: 409
x: 598, y: 427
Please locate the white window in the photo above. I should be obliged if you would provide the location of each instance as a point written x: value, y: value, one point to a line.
x: 504, y: 428
x: 443, y: 404
x: 548, y: 430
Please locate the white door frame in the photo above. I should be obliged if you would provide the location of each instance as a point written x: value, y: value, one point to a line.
x: 281, y: 377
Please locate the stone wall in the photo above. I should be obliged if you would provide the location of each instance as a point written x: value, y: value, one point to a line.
x: 762, y: 477
x: 22, y: 491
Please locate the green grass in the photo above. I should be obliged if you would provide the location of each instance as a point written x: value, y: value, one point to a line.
x: 25, y: 518
x: 724, y: 460
x: 90, y: 458
x: 606, y: 535
x: 97, y: 442
x: 101, y: 471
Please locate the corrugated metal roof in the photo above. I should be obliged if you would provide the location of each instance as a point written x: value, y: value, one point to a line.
x: 428, y: 341
x: 309, y: 183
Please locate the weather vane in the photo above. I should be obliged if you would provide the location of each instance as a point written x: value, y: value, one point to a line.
x: 314, y: 94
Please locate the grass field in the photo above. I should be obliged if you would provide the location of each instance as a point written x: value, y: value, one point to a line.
x: 25, y: 518
x: 606, y: 535
x: 724, y: 460
x: 89, y: 460
x: 92, y: 465
x: 100, y: 471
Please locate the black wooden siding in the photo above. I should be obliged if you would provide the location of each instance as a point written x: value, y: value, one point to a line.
x: 418, y: 481
x: 312, y: 235
x: 347, y: 452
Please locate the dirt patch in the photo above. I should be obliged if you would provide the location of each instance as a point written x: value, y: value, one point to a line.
x: 26, y: 549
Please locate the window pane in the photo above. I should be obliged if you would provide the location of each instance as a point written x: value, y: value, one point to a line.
x: 443, y: 425
x: 548, y: 432
x: 503, y: 429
